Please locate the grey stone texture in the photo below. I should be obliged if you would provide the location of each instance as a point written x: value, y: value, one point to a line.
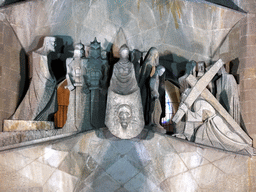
x: 98, y: 161
x: 124, y: 113
x: 40, y: 101
x: 87, y: 78
x: 21, y: 125
x: 12, y: 72
x: 192, y: 30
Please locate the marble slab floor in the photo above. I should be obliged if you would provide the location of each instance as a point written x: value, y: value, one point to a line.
x: 97, y: 161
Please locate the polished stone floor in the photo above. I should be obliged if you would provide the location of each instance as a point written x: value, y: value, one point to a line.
x: 98, y: 161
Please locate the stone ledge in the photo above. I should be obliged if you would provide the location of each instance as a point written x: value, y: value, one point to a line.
x: 9, y: 140
x: 22, y: 125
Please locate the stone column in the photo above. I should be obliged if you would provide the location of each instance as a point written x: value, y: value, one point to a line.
x: 247, y: 67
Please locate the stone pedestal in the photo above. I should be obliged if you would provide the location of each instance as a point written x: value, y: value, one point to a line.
x: 21, y: 125
x: 120, y: 124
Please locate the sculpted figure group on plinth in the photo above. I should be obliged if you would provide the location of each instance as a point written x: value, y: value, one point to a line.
x: 132, y: 99
x: 87, y: 82
x: 209, y: 120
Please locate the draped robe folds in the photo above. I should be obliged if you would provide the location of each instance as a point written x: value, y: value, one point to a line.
x: 40, y: 101
x: 124, y: 91
x: 214, y: 131
x: 123, y: 80
x: 227, y: 95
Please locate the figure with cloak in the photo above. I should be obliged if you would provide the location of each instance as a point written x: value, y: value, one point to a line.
x: 155, y: 107
x: 147, y: 70
x: 78, y: 85
x: 124, y: 114
x: 40, y: 101
x: 227, y: 94
x: 211, y: 129
x: 190, y: 69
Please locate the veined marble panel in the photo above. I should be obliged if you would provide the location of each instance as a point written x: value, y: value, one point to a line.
x: 98, y: 161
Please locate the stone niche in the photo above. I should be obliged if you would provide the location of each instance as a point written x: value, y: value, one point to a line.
x: 181, y: 30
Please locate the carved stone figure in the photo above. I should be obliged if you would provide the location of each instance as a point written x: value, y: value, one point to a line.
x: 97, y: 73
x: 155, y: 108
x: 40, y: 101
x: 78, y: 85
x: 213, y: 130
x: 147, y: 70
x: 201, y: 71
x: 190, y: 69
x: 227, y: 94
x: 87, y: 81
x: 227, y: 133
x: 124, y: 115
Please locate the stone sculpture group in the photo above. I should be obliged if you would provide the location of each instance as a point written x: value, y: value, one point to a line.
x: 132, y: 98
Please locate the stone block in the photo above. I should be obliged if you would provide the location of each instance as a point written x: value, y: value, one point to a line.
x: 247, y: 62
x: 9, y: 100
x: 21, y: 125
x: 8, y: 35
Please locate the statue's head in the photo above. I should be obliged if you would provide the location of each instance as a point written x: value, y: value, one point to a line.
x: 79, y: 50
x: 154, y: 56
x: 160, y: 70
x: 201, y: 68
x: 124, y: 52
x: 124, y: 115
x: 50, y: 43
x: 191, y: 67
x: 95, y: 49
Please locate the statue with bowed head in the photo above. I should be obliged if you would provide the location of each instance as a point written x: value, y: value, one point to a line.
x: 40, y: 101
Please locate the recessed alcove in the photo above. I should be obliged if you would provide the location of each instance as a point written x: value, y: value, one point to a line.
x: 95, y: 160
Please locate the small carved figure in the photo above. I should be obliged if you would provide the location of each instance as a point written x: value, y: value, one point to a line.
x: 227, y: 94
x: 210, y: 129
x: 40, y: 101
x: 201, y: 72
x: 124, y: 115
x: 123, y: 80
x: 78, y: 87
x: 97, y: 73
x: 156, y: 110
x: 190, y: 69
x: 147, y: 70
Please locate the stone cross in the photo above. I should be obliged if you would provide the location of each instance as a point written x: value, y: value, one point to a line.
x: 198, y: 89
x: 206, y: 94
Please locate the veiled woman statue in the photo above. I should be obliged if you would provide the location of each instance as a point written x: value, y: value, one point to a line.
x: 123, y: 80
x: 124, y: 114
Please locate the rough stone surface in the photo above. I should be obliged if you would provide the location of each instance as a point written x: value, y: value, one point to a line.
x: 113, y: 114
x: 98, y: 161
x: 21, y: 125
x: 124, y: 113
x: 40, y: 101
x: 12, y: 73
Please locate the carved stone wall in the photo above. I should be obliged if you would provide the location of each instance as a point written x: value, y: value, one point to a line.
x: 184, y: 30
x: 12, y: 70
x: 247, y: 68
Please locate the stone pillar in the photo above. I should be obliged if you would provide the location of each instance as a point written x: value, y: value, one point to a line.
x: 247, y: 67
